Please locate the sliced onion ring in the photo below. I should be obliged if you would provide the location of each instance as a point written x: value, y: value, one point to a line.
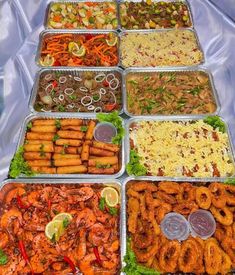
x: 115, y: 101
x: 111, y: 84
x: 61, y: 97
x: 56, y: 99
x: 69, y: 91
x: 97, y: 99
x: 102, y: 91
x: 48, y: 76
x: 62, y: 79
x: 77, y: 78
x: 98, y: 110
x: 101, y: 76
x: 110, y: 77
x: 91, y: 107
x: 83, y: 89
x: 70, y: 106
x: 85, y: 97
x: 45, y: 110
x: 49, y: 88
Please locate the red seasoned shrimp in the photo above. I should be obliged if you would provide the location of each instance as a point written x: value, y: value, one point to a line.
x: 86, y: 217
x: 13, y: 194
x: 98, y: 234
x: 86, y: 264
x: 80, y: 250
x: 4, y: 239
x: 77, y: 195
x: 9, y: 216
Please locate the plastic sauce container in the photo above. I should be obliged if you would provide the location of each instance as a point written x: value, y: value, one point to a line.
x: 202, y: 224
x: 175, y: 227
x: 104, y: 132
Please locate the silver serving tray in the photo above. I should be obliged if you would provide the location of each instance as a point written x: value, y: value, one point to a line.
x: 47, y: 13
x: 74, y: 71
x: 52, y: 31
x: 155, y: 1
x: 123, y: 33
x: 177, y: 119
x: 69, y: 176
x: 170, y: 69
x: 7, y: 184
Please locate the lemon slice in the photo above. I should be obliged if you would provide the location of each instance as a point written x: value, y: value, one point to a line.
x: 48, y: 60
x: 112, y: 41
x: 54, y: 229
x: 76, y: 50
x: 111, y: 196
x: 62, y: 217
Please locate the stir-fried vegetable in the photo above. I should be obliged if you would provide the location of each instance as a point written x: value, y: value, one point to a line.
x: 83, y: 15
x: 154, y: 15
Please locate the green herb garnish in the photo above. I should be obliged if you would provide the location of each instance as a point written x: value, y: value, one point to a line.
x: 134, y: 167
x: 113, y: 211
x: 73, y: 97
x: 146, y: 78
x: 102, y: 204
x: 95, y: 97
x: 57, y: 124
x: 98, y: 165
x: 29, y: 125
x: 117, y: 123
x: 3, y: 257
x: 134, y: 82
x: 56, y: 137
x: 195, y: 91
x: 161, y: 74
x: 64, y: 146
x: 19, y: 165
x: 66, y: 223
x: 42, y: 152
x: 215, y: 122
x: 83, y: 128
x: 61, y: 108
x: 132, y: 267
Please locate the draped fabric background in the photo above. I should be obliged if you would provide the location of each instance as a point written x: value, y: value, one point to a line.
x: 19, y: 32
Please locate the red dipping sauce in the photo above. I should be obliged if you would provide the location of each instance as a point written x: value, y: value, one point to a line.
x: 104, y: 132
x: 202, y: 224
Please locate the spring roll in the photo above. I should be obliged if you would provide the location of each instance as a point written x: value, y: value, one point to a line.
x: 41, y: 122
x: 36, y: 155
x: 65, y: 150
x: 116, y: 168
x: 72, y: 169
x: 42, y: 148
x: 39, y: 136
x: 44, y: 129
x: 66, y: 156
x: 67, y: 162
x: 44, y: 170
x: 74, y: 128
x: 106, y: 146
x: 103, y: 161
x: 71, y: 142
x: 71, y: 122
x: 85, y: 152
x: 94, y: 170
x: 79, y: 150
x: 38, y: 142
x: 90, y: 130
x: 70, y: 134
x: 100, y: 152
x: 37, y: 163
x: 89, y: 142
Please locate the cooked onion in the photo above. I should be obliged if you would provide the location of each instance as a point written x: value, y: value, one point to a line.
x: 84, y: 98
x: 98, y: 109
x: 77, y: 78
x: 110, y: 77
x: 69, y: 91
x: 102, y: 91
x: 116, y: 82
x: 83, y: 89
x: 49, y: 88
x: 115, y: 101
x: 62, y: 79
x: 61, y: 97
x: 48, y: 76
x: 91, y: 107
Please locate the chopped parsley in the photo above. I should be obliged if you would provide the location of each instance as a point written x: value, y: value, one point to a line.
x: 57, y: 124
x: 61, y: 108
x: 72, y: 97
x: 95, y: 97
x: 56, y: 137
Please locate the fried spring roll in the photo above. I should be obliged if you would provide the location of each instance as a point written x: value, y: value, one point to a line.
x: 71, y: 122
x: 89, y: 142
x: 44, y: 129
x: 74, y: 128
x: 67, y: 162
x: 43, y: 148
x: 44, y: 170
x: 39, y: 136
x: 94, y: 170
x: 41, y: 122
x: 39, y: 142
x: 72, y: 169
x: 106, y: 146
x: 116, y: 168
x: 36, y: 155
x: 37, y: 163
x: 79, y: 150
x: 85, y: 152
x: 71, y: 142
x: 90, y: 130
x: 65, y: 150
x: 66, y: 156
x: 103, y: 161
x: 100, y: 152
x: 71, y: 134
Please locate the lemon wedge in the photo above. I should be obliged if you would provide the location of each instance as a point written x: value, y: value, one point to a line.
x: 54, y: 229
x: 48, y: 60
x: 111, y: 196
x: 112, y: 41
x: 62, y: 217
x: 76, y: 50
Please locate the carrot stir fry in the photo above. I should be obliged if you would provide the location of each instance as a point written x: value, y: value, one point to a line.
x: 78, y: 233
x: 79, y: 50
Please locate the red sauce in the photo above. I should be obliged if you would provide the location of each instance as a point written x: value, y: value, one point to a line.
x: 202, y: 224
